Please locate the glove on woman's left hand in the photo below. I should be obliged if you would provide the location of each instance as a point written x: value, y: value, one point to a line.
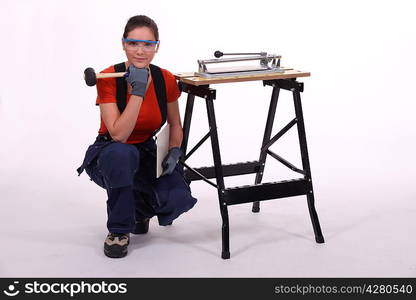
x: 170, y: 161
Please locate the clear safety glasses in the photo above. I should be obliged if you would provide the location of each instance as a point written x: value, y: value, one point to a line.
x: 147, y: 46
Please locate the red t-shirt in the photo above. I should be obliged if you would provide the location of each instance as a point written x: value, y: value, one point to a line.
x: 149, y: 117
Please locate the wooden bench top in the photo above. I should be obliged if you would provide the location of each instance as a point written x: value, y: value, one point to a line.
x: 191, y: 79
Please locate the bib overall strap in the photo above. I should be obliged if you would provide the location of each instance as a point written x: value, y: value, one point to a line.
x: 160, y: 88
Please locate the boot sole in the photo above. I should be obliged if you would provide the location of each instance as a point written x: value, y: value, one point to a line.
x: 115, y: 253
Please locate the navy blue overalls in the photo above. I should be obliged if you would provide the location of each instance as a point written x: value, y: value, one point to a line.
x: 128, y: 173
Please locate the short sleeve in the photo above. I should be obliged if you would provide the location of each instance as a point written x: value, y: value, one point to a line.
x: 172, y: 89
x: 106, y: 90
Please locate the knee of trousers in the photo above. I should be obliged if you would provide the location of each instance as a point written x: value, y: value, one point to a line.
x: 118, y: 163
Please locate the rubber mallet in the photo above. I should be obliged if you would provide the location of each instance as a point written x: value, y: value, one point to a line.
x: 91, y: 77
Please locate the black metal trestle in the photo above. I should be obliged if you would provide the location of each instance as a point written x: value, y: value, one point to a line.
x: 259, y: 191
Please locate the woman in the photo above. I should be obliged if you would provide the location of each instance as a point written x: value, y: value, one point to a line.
x: 122, y: 159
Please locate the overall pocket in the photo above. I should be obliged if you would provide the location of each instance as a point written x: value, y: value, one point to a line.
x: 90, y: 162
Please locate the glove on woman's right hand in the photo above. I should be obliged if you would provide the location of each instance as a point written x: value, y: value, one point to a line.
x: 138, y: 80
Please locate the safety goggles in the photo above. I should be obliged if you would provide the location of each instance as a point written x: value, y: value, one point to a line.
x: 147, y: 46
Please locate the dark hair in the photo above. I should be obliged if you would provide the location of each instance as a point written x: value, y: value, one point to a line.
x: 141, y: 21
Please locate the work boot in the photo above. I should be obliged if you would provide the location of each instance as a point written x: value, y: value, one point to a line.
x: 115, y: 244
x: 142, y: 226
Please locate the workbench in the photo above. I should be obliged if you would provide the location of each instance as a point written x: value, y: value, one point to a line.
x: 196, y: 86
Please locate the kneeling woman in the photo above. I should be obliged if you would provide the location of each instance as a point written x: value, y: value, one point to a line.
x: 122, y: 160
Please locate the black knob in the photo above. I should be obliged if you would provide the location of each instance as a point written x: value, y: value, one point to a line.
x: 218, y: 54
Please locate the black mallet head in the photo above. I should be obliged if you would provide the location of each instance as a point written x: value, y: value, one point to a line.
x: 90, y: 77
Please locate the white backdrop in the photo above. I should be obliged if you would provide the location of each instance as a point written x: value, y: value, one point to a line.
x: 358, y: 107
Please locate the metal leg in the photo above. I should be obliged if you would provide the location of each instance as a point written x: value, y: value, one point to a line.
x: 187, y: 122
x: 266, y: 139
x: 306, y: 167
x: 220, y: 179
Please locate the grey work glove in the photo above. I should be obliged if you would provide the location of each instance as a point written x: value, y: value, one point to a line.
x: 138, y: 80
x: 170, y: 161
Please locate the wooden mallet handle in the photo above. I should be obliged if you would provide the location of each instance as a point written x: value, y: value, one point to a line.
x: 91, y: 77
x: 109, y: 75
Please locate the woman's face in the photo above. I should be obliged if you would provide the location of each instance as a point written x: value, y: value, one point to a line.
x: 139, y: 56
